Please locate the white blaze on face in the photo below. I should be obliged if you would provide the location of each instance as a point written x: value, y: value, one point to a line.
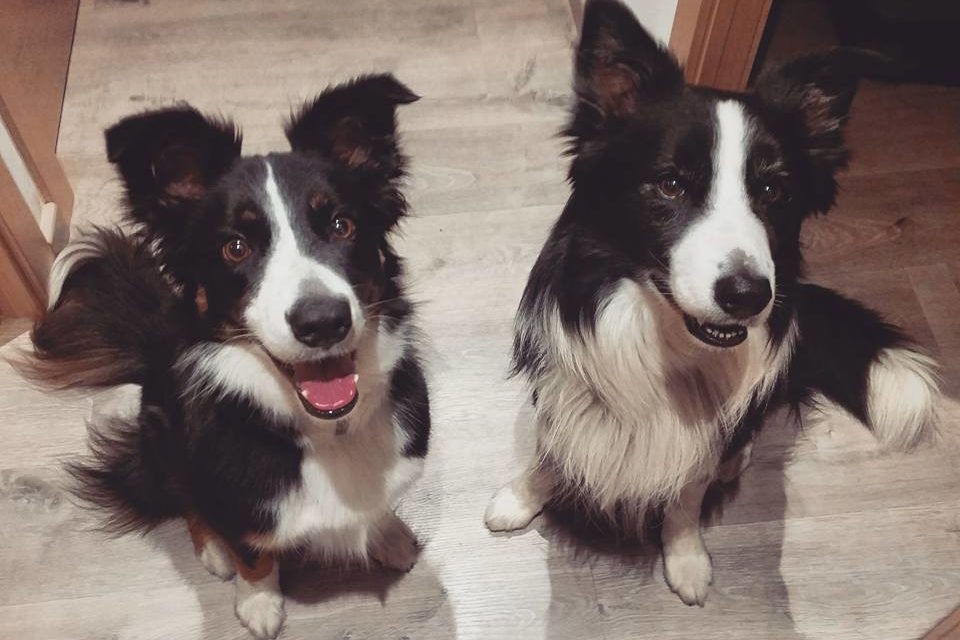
x: 287, y: 274
x: 728, y: 234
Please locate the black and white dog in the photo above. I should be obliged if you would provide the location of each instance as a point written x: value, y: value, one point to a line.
x: 261, y: 308
x: 665, y: 316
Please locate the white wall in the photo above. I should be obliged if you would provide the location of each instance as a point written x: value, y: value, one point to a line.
x: 12, y: 158
x: 655, y: 15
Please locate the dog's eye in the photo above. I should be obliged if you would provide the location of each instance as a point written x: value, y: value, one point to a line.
x: 343, y: 228
x: 670, y: 187
x: 236, y: 251
x: 770, y: 192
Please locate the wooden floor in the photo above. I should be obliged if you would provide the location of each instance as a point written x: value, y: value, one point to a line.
x: 826, y: 539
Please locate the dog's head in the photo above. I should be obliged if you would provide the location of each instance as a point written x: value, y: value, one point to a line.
x: 290, y: 249
x: 704, y: 191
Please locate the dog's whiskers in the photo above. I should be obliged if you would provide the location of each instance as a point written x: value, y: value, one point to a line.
x: 373, y: 305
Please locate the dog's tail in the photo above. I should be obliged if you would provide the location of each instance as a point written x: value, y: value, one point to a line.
x: 112, y: 316
x: 114, y: 319
x: 129, y: 474
x: 850, y: 355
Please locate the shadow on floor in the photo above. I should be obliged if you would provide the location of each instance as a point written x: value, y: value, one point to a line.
x: 335, y: 601
x: 607, y: 585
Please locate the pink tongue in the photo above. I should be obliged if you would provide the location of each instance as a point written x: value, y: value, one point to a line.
x: 329, y: 385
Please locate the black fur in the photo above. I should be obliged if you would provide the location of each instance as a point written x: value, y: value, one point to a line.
x: 633, y: 122
x: 136, y: 303
x: 127, y: 473
x: 408, y: 388
x: 117, y: 321
x: 840, y: 338
x: 168, y: 160
x: 240, y: 460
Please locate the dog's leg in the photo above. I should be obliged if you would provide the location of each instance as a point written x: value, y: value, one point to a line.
x: 686, y: 563
x: 730, y: 469
x: 210, y: 549
x: 393, y: 544
x: 259, y: 603
x: 515, y: 505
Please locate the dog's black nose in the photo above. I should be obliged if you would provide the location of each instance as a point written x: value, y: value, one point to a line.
x: 742, y: 294
x: 320, y: 321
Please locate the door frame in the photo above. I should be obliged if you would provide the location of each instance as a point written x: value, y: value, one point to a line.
x: 717, y: 40
x: 36, y: 200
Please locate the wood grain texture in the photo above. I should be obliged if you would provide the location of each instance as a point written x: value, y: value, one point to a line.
x: 948, y: 629
x: 36, y: 39
x: 11, y: 327
x: 25, y: 255
x: 717, y: 40
x: 826, y: 537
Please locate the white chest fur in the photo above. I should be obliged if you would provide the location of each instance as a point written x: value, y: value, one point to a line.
x: 349, y: 483
x: 637, y: 410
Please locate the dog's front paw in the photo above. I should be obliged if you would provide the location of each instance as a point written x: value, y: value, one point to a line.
x: 509, y: 511
x: 689, y: 576
x: 396, y: 547
x: 215, y: 557
x: 261, y: 612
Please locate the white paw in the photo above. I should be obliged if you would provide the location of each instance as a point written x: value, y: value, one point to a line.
x: 509, y: 511
x: 217, y: 560
x: 689, y: 576
x: 261, y: 613
x: 396, y: 548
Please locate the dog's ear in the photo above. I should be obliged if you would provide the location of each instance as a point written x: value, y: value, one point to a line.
x: 354, y: 125
x: 814, y: 93
x: 809, y: 99
x: 618, y: 67
x: 168, y: 159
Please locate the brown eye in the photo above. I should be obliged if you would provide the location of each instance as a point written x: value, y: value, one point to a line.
x: 236, y: 251
x: 770, y: 192
x: 343, y: 227
x: 670, y: 187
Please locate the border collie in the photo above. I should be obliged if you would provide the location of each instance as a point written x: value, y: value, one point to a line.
x: 665, y: 316
x: 260, y: 306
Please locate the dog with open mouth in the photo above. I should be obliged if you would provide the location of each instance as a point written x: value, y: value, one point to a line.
x: 666, y: 317
x: 261, y: 308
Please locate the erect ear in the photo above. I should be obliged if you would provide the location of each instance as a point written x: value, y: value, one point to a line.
x: 169, y: 158
x: 813, y: 95
x: 618, y: 67
x: 354, y: 124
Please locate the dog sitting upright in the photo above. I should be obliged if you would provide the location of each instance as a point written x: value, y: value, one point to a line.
x: 261, y: 308
x: 665, y: 316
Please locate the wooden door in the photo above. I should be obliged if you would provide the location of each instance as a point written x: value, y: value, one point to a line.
x: 36, y: 201
x: 717, y: 40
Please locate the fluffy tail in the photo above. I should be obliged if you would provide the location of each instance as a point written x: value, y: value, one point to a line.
x: 128, y: 473
x: 851, y: 356
x: 112, y: 317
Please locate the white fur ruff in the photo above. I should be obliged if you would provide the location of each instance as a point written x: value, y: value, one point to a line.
x: 902, y: 394
x: 82, y: 248
x: 353, y: 472
x: 636, y: 411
